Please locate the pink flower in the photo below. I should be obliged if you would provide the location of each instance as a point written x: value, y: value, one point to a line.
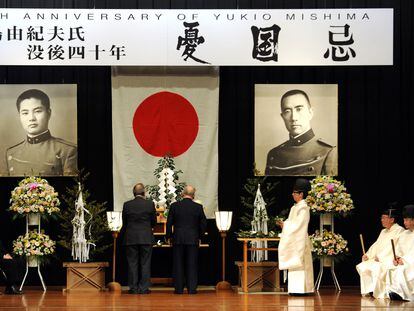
x: 33, y: 186
x: 330, y: 188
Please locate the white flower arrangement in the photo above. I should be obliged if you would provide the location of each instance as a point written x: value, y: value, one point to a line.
x: 328, y: 244
x: 328, y: 195
x: 34, y: 244
x: 34, y: 195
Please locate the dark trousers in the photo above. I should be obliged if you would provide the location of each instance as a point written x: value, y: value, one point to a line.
x: 9, y: 271
x: 139, y: 263
x: 185, y: 262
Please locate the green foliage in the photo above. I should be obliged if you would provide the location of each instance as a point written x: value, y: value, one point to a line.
x: 166, y: 162
x: 267, y: 189
x: 96, y: 222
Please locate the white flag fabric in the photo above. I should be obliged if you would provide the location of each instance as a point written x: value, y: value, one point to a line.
x: 159, y: 110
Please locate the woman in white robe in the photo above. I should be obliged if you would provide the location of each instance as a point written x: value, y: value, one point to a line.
x: 295, y: 245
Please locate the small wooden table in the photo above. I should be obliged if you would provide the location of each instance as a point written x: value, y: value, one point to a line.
x: 85, y: 276
x: 245, y: 249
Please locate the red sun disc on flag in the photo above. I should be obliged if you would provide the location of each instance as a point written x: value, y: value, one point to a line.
x: 165, y: 123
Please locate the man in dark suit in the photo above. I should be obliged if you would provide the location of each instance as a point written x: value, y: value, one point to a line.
x: 139, y: 217
x: 8, y: 270
x: 189, y: 223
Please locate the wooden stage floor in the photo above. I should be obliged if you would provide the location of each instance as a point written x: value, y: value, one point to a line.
x: 326, y: 299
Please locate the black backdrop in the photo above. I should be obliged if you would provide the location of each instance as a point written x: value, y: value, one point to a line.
x: 375, y: 131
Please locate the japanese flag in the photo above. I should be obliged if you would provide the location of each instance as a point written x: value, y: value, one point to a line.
x: 161, y: 110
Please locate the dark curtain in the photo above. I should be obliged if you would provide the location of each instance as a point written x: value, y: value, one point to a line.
x: 375, y: 131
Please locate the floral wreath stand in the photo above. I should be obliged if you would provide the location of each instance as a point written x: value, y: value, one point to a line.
x: 32, y: 261
x: 326, y: 220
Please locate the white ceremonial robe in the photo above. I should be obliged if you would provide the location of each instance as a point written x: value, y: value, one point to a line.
x: 402, y: 276
x: 295, y: 250
x: 370, y: 270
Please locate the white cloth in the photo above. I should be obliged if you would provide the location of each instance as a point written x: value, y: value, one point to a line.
x: 295, y: 250
x: 380, y: 253
x: 401, y: 277
x: 199, y: 164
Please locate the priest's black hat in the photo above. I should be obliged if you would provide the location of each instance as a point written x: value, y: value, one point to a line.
x: 302, y: 185
x: 408, y: 211
x: 391, y: 211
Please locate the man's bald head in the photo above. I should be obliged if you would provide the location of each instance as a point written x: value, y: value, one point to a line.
x: 189, y: 191
x: 139, y: 189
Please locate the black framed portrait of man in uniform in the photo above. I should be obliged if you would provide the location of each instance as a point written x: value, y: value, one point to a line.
x: 38, y: 130
x: 296, y: 129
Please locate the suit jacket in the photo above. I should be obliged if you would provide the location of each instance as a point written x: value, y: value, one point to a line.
x: 44, y: 155
x: 188, y: 220
x: 302, y: 155
x: 138, y: 219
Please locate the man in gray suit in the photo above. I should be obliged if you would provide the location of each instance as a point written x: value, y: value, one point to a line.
x: 139, y: 217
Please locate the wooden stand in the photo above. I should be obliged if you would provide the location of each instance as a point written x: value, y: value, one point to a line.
x: 261, y: 276
x: 244, y: 274
x: 85, y: 276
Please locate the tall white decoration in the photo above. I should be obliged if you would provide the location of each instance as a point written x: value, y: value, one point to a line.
x: 166, y: 187
x: 80, y: 246
x: 259, y: 224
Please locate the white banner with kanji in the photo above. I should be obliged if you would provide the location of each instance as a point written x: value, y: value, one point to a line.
x: 288, y: 37
x: 165, y: 110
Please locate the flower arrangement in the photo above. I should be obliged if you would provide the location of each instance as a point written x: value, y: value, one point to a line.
x: 328, y: 195
x: 33, y: 244
x: 34, y: 195
x: 328, y: 244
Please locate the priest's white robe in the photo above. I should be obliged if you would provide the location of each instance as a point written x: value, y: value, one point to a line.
x: 295, y: 250
x: 380, y: 253
x: 401, y: 277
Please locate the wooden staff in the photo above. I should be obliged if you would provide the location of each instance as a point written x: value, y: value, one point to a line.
x: 362, y: 243
x: 393, y: 249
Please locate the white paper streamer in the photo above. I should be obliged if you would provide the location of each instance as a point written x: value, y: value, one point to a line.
x: 259, y: 224
x: 166, y: 186
x: 80, y: 246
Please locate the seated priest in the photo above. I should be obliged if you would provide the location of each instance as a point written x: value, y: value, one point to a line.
x: 8, y: 270
x: 380, y: 253
x: 401, y: 283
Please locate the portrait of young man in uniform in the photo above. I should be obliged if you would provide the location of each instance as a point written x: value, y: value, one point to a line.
x: 40, y: 152
x: 301, y: 150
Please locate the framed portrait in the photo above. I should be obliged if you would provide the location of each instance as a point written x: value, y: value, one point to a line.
x: 296, y: 129
x: 38, y: 130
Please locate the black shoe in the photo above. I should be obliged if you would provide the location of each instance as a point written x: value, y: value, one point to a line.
x: 144, y: 292
x: 133, y: 291
x: 297, y: 294
x: 192, y: 292
x: 395, y: 296
x: 12, y: 290
x: 177, y: 292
